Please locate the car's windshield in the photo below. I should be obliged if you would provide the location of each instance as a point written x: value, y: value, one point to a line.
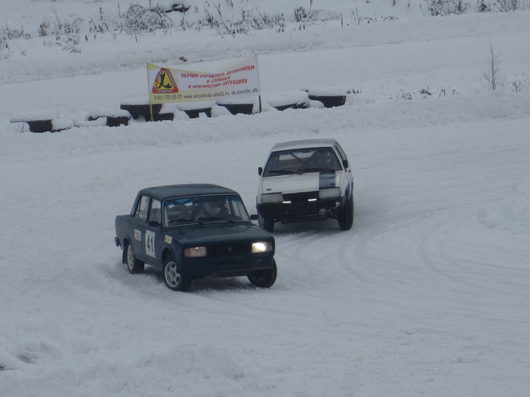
x: 298, y: 161
x: 204, y: 209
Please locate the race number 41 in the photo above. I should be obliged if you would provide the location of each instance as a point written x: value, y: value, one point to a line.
x: 150, y: 243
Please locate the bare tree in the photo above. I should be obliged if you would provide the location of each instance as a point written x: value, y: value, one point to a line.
x: 492, y: 73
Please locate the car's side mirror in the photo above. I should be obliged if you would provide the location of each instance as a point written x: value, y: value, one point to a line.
x: 345, y: 163
x: 260, y: 171
x: 253, y: 217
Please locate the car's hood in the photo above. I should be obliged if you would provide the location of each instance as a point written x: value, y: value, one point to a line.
x: 295, y: 183
x: 213, y: 233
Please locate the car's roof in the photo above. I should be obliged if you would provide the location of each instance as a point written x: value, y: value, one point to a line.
x: 304, y: 143
x: 192, y: 189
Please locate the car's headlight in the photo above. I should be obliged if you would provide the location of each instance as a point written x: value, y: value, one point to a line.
x: 329, y: 193
x: 261, y: 246
x: 271, y: 198
x: 194, y: 252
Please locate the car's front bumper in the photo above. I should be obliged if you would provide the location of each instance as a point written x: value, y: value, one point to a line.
x: 240, y: 265
x: 299, y: 209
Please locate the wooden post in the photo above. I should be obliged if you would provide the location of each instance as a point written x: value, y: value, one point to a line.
x: 259, y: 85
x: 148, y: 94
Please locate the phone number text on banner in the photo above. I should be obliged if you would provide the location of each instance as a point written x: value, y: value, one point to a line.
x: 176, y: 85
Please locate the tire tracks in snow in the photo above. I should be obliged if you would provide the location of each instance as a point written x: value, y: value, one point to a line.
x: 465, y: 268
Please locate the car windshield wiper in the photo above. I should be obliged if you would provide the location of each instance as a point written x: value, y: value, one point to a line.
x: 181, y: 221
x: 201, y: 221
x: 317, y: 170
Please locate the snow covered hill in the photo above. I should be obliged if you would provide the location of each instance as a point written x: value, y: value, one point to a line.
x: 426, y: 295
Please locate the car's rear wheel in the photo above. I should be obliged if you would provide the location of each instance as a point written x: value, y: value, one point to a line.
x: 264, y: 278
x: 133, y: 265
x: 345, y: 216
x: 173, y: 276
x: 266, y: 223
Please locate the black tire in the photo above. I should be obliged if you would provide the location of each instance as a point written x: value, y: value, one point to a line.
x: 264, y: 278
x: 173, y: 276
x: 133, y: 265
x: 345, y: 215
x: 266, y: 223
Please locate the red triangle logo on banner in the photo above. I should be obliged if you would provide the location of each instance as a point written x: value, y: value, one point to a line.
x: 164, y: 83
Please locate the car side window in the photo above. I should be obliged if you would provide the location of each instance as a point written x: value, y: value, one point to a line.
x: 342, y: 155
x: 237, y: 210
x: 155, y: 214
x: 141, y: 210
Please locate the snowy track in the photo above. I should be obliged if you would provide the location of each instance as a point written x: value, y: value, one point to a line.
x: 427, y: 295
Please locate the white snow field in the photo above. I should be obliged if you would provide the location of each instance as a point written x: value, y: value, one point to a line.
x: 427, y: 295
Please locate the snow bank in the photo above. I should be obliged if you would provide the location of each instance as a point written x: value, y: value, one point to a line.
x: 361, y: 115
x: 287, y: 98
x: 96, y: 113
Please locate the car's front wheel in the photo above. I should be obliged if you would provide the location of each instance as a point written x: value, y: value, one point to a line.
x: 173, y: 276
x: 345, y: 215
x: 133, y: 264
x: 264, y: 278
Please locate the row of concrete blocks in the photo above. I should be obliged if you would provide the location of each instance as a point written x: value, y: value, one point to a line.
x: 158, y: 112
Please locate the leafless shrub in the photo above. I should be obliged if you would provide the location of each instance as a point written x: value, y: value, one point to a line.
x: 446, y: 7
x: 484, y: 6
x: 509, y: 5
x: 424, y: 92
x: 100, y: 24
x: 227, y: 17
x: 71, y: 44
x: 65, y: 34
x: 245, y: 22
x: 300, y: 14
x: 138, y: 19
x: 44, y: 29
x: 405, y: 95
x: 357, y: 18
x: 492, y: 73
x: 3, y: 44
x: 517, y: 86
x: 6, y: 35
x: 12, y: 34
x: 501, y: 5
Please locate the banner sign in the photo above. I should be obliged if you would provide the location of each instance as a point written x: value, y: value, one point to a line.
x: 176, y: 85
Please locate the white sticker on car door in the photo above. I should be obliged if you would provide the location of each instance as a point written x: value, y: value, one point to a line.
x: 150, y: 243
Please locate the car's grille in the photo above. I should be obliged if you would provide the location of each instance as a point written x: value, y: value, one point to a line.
x: 235, y: 249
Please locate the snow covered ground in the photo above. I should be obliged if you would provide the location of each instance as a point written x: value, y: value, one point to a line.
x: 426, y: 295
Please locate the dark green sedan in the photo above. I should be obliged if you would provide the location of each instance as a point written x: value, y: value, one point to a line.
x: 195, y: 230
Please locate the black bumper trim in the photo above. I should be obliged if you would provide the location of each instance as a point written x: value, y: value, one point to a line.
x: 320, y: 209
x: 227, y: 266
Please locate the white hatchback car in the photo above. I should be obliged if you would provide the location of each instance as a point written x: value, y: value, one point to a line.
x: 305, y: 180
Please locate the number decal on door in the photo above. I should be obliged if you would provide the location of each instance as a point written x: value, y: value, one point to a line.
x: 150, y: 243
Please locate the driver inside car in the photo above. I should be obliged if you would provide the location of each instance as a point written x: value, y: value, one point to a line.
x: 212, y: 209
